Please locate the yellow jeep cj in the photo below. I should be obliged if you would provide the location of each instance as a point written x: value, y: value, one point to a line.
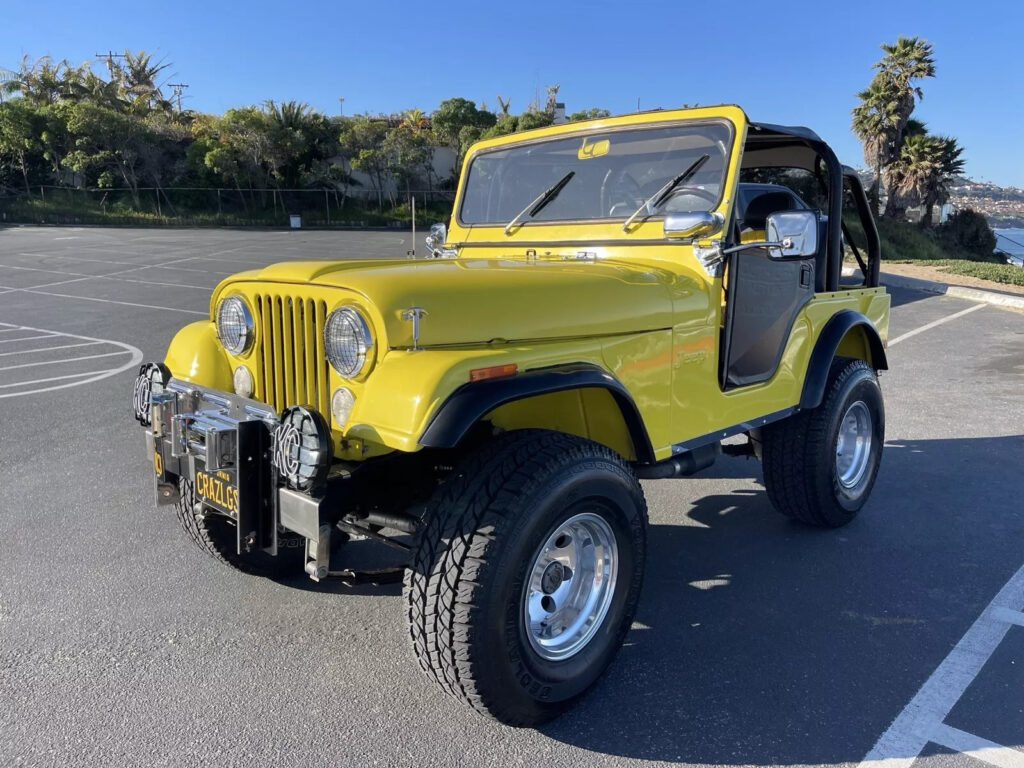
x: 610, y: 301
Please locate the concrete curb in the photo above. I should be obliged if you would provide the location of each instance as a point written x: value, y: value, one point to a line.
x: 957, y: 291
x: 997, y: 298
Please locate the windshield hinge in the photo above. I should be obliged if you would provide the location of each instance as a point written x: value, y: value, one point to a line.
x: 710, y: 256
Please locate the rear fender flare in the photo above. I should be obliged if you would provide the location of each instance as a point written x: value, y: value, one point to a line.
x: 836, y: 329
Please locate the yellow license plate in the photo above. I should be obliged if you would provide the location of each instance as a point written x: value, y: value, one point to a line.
x: 218, y: 491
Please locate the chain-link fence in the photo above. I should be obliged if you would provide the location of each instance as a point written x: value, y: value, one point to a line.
x: 202, y: 206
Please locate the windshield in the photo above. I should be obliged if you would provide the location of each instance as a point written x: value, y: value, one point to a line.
x: 613, y: 172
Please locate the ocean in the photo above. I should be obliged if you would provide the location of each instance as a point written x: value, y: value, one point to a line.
x: 1011, y: 241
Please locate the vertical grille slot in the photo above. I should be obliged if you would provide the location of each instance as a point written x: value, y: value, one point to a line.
x: 291, y: 365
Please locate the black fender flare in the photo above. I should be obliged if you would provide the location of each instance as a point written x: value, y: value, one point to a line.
x: 824, y: 353
x: 472, y: 401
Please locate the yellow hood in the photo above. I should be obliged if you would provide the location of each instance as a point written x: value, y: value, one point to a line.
x: 474, y: 301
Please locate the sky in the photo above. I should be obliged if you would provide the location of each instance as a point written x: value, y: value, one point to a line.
x: 792, y: 62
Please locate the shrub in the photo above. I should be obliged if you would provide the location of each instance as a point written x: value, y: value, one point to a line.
x: 969, y: 230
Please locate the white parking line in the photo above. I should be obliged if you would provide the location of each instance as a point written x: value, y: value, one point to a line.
x: 109, y: 275
x: 74, y: 379
x: 61, y: 362
x: 977, y: 747
x: 52, y: 378
x: 50, y: 349
x: 26, y: 338
x: 133, y: 264
x: 922, y: 720
x: 112, y: 301
x: 58, y: 282
x: 935, y: 323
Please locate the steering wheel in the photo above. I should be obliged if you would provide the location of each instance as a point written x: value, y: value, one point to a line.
x: 620, y: 193
x: 703, y: 194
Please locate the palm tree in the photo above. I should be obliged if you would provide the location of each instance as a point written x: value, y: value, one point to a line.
x: 874, y: 122
x: 504, y: 103
x: 8, y: 82
x: 912, y: 172
x: 290, y: 115
x: 138, y: 76
x: 906, y: 62
x: 39, y: 82
x: 950, y: 164
x: 552, y: 97
x: 416, y: 120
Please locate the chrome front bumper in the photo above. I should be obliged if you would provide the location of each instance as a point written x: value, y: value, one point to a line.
x: 224, y: 445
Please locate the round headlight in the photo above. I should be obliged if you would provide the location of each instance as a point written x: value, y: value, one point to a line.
x: 347, y: 341
x: 302, y: 448
x: 234, y: 325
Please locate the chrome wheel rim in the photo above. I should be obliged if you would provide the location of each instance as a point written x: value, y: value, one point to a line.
x: 853, y: 445
x: 570, y: 586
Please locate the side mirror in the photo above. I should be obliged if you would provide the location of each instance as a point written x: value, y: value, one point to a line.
x: 686, y: 226
x: 436, y: 239
x: 792, y: 234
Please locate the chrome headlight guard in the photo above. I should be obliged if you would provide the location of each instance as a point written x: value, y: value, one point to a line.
x: 348, y: 341
x: 235, y: 327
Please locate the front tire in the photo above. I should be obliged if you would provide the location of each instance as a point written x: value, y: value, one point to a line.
x: 820, y: 465
x: 526, y: 575
x: 217, y: 536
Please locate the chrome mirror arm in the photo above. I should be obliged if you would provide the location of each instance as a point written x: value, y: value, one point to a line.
x: 785, y: 243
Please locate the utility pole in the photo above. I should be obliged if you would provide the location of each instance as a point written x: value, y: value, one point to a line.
x: 341, y: 105
x: 110, y: 56
x: 178, y: 88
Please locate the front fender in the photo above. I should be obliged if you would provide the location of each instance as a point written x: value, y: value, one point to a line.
x: 195, y: 355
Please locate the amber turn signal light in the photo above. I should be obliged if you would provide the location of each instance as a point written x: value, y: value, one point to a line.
x: 494, y: 372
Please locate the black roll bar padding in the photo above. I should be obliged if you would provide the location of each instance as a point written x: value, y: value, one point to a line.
x: 860, y: 199
x: 834, y: 268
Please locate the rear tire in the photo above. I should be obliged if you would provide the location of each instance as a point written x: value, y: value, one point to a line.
x: 216, y: 535
x: 820, y: 465
x: 526, y: 574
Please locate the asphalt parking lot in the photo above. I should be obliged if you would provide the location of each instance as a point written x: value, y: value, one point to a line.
x: 757, y: 642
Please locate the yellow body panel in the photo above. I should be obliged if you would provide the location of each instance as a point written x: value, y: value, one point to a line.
x: 637, y: 305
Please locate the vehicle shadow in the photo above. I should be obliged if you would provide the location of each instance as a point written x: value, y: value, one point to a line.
x: 760, y: 641
x: 901, y: 296
x: 360, y: 556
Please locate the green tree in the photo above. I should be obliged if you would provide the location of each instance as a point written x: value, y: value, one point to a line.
x: 18, y: 129
x: 408, y: 155
x: 241, y: 149
x: 451, y: 118
x: 969, y: 230
x: 588, y: 114
x: 108, y: 145
x: 361, y: 141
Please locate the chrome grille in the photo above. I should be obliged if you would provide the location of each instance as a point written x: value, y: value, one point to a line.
x: 291, y: 366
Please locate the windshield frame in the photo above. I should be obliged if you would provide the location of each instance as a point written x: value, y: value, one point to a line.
x: 582, y: 133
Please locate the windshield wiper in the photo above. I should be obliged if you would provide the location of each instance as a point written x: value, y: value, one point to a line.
x: 654, y: 201
x: 540, y: 201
